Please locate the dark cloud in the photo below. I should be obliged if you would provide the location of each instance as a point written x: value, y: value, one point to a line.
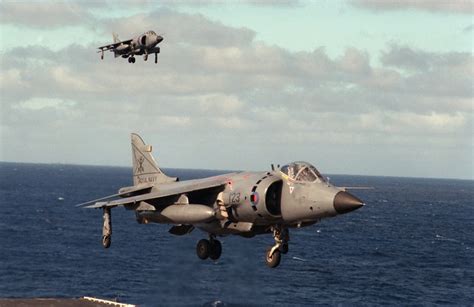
x: 44, y: 15
x: 192, y: 30
x: 440, y: 6
x: 468, y: 28
x: 446, y: 74
x: 409, y: 58
x: 264, y: 3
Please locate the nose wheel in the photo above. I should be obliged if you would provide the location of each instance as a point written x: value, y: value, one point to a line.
x: 131, y: 59
x: 211, y: 248
x: 273, y: 254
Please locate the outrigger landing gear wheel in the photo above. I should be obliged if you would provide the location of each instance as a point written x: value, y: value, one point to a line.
x: 107, y: 227
x: 203, y: 249
x: 273, y: 260
x: 106, y: 241
x: 216, y: 249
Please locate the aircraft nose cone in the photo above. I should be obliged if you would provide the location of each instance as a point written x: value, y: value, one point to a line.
x: 159, y: 39
x: 345, y: 202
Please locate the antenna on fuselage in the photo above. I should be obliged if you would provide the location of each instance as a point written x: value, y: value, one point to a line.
x: 273, y: 167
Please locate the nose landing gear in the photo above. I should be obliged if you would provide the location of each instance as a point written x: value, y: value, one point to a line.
x: 273, y: 254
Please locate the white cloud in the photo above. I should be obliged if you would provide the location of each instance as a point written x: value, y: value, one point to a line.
x: 64, y: 77
x: 11, y: 77
x: 43, y: 14
x: 42, y: 103
x: 218, y: 103
x: 174, y: 121
x: 442, y: 6
x: 404, y: 123
x: 216, y: 85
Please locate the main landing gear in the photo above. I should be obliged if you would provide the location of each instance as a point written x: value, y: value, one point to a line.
x: 131, y: 59
x: 211, y: 248
x: 273, y: 255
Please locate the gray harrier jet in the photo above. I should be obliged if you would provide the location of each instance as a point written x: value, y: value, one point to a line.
x: 144, y: 44
x: 241, y: 203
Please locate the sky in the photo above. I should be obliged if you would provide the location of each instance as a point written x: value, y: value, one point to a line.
x: 355, y: 87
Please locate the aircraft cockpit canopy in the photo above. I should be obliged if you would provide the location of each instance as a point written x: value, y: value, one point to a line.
x: 151, y: 32
x: 302, y: 172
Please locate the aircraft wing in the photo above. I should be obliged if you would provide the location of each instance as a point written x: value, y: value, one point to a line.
x: 122, y: 193
x: 114, y: 45
x: 167, y: 190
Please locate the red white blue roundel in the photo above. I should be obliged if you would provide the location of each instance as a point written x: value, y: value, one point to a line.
x: 254, y: 198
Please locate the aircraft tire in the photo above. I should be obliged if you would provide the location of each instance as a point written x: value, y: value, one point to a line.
x: 203, y: 249
x: 216, y: 250
x: 106, y: 241
x: 133, y: 60
x: 284, y: 248
x: 274, y: 260
x: 130, y: 60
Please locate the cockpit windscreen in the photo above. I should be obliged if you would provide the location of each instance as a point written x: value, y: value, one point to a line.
x: 302, y: 172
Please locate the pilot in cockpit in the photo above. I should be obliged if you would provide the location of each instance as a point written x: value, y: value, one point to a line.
x: 302, y: 172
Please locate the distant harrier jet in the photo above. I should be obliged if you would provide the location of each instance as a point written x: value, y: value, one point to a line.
x: 144, y: 44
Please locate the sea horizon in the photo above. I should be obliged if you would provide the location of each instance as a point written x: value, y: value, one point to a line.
x: 326, y: 174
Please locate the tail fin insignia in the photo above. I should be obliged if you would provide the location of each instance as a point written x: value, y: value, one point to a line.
x: 145, y: 167
x: 115, y: 37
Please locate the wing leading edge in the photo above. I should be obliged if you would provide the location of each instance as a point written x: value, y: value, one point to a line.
x: 124, y: 192
x: 166, y: 190
x: 114, y: 45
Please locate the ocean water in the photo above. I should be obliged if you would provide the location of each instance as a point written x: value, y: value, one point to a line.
x: 412, y: 244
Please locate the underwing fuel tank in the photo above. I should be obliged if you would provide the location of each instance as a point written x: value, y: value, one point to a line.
x: 178, y: 214
x: 121, y: 48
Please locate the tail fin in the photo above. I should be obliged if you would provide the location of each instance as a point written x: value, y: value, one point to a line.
x: 145, y: 168
x: 116, y: 38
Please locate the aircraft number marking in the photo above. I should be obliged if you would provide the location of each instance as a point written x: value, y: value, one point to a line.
x: 234, y: 198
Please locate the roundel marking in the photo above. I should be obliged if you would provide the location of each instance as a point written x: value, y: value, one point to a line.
x: 254, y: 198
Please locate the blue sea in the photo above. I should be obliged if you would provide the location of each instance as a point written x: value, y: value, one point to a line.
x: 412, y: 244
